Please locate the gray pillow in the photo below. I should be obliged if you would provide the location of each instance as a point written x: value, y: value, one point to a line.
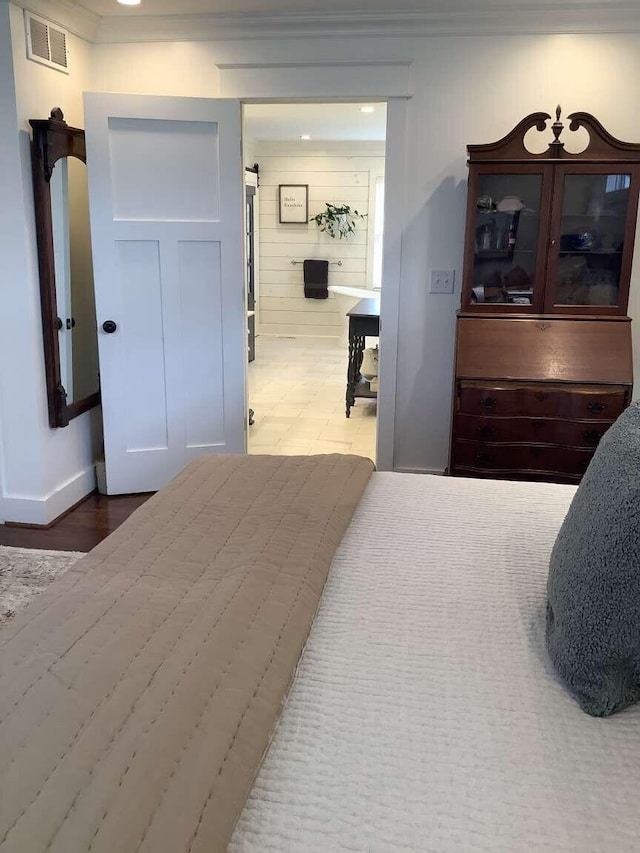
x: 593, y: 590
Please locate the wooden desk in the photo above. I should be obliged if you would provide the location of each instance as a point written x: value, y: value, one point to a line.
x: 364, y: 321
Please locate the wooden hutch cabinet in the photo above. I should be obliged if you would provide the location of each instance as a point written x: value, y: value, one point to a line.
x: 543, y: 344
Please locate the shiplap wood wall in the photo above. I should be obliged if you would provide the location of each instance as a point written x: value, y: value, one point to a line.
x: 338, y: 173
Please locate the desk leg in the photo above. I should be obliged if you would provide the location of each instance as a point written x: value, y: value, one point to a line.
x: 356, y: 349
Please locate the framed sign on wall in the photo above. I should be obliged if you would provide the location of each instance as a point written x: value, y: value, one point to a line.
x: 293, y: 203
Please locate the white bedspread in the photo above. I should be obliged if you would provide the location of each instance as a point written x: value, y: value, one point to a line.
x: 424, y: 715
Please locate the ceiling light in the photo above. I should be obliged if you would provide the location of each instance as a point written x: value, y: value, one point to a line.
x: 367, y: 109
x: 306, y: 137
x: 129, y: 2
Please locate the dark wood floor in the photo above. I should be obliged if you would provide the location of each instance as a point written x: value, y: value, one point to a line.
x: 89, y: 523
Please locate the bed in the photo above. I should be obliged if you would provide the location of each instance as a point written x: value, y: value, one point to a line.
x: 423, y: 715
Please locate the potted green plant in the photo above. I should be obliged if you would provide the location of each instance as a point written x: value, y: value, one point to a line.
x: 337, y: 220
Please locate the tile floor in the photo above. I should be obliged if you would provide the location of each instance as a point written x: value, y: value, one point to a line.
x: 297, y: 390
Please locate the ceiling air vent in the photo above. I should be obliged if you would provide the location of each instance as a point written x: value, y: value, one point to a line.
x: 46, y: 43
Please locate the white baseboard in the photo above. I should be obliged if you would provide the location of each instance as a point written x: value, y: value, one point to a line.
x: 437, y: 471
x: 44, y: 510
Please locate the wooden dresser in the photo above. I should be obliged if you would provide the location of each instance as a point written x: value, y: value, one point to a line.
x: 539, y: 414
x: 543, y: 345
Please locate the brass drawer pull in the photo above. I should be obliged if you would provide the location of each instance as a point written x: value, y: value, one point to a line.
x: 592, y: 436
x: 596, y: 407
x: 486, y: 430
x: 485, y: 457
x: 488, y: 402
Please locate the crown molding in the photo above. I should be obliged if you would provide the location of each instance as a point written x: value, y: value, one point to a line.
x: 497, y: 18
x: 70, y: 16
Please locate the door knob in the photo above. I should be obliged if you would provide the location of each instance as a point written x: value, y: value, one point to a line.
x: 109, y: 327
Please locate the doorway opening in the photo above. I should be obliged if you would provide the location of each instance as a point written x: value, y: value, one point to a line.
x: 313, y: 298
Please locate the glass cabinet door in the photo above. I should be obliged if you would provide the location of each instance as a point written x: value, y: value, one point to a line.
x: 589, y: 231
x: 506, y: 250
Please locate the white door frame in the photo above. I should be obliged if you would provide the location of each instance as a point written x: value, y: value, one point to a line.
x: 395, y: 180
x: 396, y: 167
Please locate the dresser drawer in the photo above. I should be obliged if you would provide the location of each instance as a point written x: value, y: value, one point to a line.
x: 488, y: 429
x: 599, y: 403
x: 520, y: 457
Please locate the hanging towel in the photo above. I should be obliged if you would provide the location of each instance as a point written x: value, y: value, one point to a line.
x: 316, y: 279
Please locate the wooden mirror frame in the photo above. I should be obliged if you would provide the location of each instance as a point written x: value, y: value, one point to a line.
x: 53, y: 139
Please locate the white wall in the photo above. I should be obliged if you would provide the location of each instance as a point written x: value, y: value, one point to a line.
x: 44, y: 471
x: 338, y: 173
x: 167, y: 68
x: 249, y: 151
x: 466, y: 95
x: 465, y: 90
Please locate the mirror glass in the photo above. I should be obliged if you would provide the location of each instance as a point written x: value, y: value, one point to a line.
x: 75, y: 301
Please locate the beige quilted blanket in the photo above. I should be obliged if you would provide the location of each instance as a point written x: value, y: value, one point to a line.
x: 138, y: 694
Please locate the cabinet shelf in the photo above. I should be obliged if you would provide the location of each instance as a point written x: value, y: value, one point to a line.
x: 510, y: 213
x: 501, y: 254
x: 591, y: 251
x: 494, y: 254
x: 568, y: 215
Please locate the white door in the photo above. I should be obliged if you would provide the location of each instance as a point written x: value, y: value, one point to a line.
x: 166, y: 195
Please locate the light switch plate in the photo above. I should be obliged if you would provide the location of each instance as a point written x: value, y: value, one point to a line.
x: 442, y: 281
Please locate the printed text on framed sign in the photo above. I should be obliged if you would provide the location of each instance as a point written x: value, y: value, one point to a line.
x: 293, y: 203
